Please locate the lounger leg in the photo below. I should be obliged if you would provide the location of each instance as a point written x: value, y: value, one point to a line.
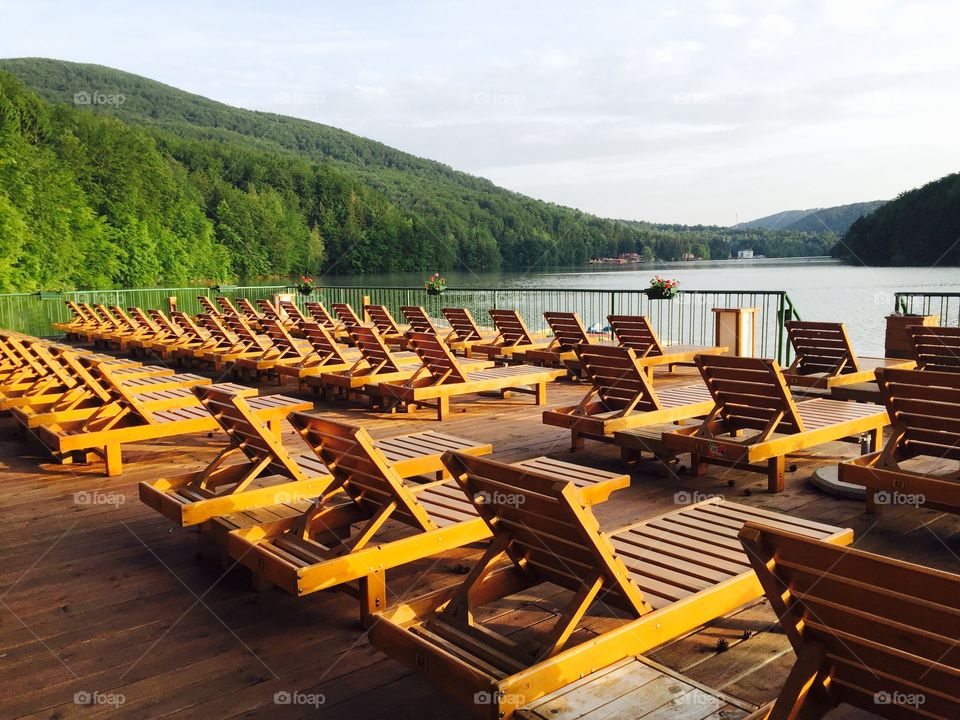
x: 112, y: 455
x: 872, y: 506
x: 443, y: 407
x: 697, y: 467
x: 801, y: 682
x: 775, y: 468
x: 876, y: 437
x: 373, y: 596
x: 577, y: 442
x: 541, y: 393
x: 276, y: 427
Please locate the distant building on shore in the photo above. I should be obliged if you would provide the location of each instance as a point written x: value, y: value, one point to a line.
x: 744, y: 254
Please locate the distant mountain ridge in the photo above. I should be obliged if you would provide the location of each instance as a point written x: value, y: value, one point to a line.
x: 837, y: 219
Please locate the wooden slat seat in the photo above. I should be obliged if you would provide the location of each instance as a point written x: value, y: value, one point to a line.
x: 755, y: 422
x: 513, y: 337
x: 666, y: 575
x: 267, y: 474
x: 923, y: 408
x: 825, y: 358
x: 869, y: 631
x: 334, y: 543
x: 128, y: 419
x: 935, y: 348
x: 377, y: 364
x: 418, y: 319
x: 443, y: 376
x: 622, y: 396
x: 636, y: 332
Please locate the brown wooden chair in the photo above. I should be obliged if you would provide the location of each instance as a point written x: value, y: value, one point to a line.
x: 208, y: 306
x: 464, y: 332
x: 347, y: 316
x: 825, y: 358
x: 268, y: 474
x: 869, y: 631
x: 343, y: 536
x: 622, y: 397
x: 418, y: 319
x: 568, y: 333
x: 320, y: 315
x: 442, y: 376
x: 383, y: 321
x: 636, y: 332
x: 923, y: 408
x: 755, y: 422
x: 513, y: 337
x: 663, y: 577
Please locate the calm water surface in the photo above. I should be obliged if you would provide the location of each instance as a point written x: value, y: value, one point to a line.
x: 821, y: 290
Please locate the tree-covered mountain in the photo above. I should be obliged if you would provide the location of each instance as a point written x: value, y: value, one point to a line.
x: 107, y: 178
x: 837, y: 219
x: 919, y: 227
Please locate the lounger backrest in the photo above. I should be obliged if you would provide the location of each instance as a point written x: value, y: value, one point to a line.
x: 125, y: 320
x: 247, y: 309
x: 73, y: 363
x: 292, y: 311
x: 923, y: 409
x: 418, y: 319
x: 143, y: 319
x: 821, y: 348
x: 462, y: 323
x: 164, y: 323
x: 268, y: 308
x: 22, y: 347
x: 53, y: 365
x: 885, y: 631
x: 346, y: 315
x: 750, y: 393
x: 240, y: 328
x: 75, y: 311
x: 214, y: 324
x: 360, y: 468
x: 281, y: 338
x: 382, y: 319
x: 251, y: 436
x: 91, y: 314
x: 119, y: 390
x: 373, y: 349
x: 547, y: 531
x: 209, y: 307
x: 324, y: 346
x: 636, y: 332
x: 437, y: 358
x: 568, y: 331
x: 187, y: 323
x: 319, y: 313
x: 511, y: 327
x: 936, y: 348
x: 108, y: 319
x: 619, y: 381
x: 227, y: 305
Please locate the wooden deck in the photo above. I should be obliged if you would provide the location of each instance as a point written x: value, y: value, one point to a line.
x: 100, y: 594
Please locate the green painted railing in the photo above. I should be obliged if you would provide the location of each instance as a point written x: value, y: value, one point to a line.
x: 687, y: 318
x: 944, y: 305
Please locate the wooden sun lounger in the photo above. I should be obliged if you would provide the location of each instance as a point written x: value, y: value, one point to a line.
x: 238, y: 341
x: 442, y: 376
x: 320, y: 315
x: 339, y: 538
x: 418, y: 319
x: 636, y: 332
x: 376, y: 364
x: 78, y: 322
x: 283, y: 350
x: 568, y: 333
x: 131, y: 419
x: 347, y: 316
x: 464, y: 331
x: 267, y: 474
x: 869, y: 631
x: 294, y: 316
x: 936, y: 348
x: 248, y: 311
x: 622, y: 397
x: 924, y: 409
x: 513, y: 337
x: 209, y: 307
x: 825, y: 358
x: 756, y: 423
x: 669, y: 575
x: 383, y: 321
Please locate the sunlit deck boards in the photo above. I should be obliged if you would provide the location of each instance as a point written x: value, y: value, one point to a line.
x: 109, y: 587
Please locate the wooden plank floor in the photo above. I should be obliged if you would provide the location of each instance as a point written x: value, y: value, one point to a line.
x: 100, y: 596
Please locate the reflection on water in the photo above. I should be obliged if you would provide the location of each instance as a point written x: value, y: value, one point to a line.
x: 821, y: 290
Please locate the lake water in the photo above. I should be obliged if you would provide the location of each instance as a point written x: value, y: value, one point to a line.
x: 821, y: 289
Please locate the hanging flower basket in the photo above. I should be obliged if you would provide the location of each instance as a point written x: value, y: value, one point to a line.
x: 662, y: 289
x: 434, y: 291
x: 435, y: 284
x: 306, y: 286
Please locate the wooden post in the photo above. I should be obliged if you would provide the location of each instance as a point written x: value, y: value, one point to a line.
x: 364, y: 301
x: 897, y: 341
x: 172, y: 304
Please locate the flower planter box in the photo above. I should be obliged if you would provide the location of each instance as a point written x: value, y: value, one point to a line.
x: 897, y: 343
x: 434, y: 291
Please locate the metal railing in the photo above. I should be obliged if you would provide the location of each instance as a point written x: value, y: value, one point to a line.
x: 945, y: 305
x: 686, y: 319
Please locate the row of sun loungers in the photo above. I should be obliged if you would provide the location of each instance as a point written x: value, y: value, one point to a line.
x: 344, y: 513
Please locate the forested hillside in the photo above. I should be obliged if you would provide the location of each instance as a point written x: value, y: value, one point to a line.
x: 166, y: 187
x: 920, y: 227
x: 837, y: 219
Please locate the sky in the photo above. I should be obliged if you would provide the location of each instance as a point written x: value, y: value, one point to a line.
x: 709, y: 111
